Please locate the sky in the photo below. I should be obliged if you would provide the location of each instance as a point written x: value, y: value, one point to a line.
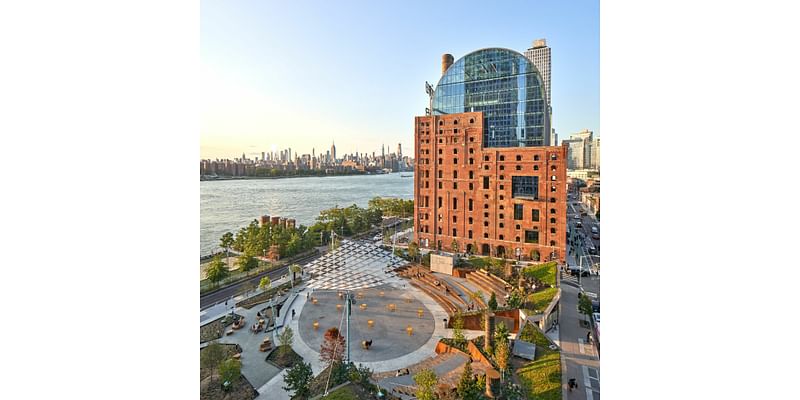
x: 306, y: 74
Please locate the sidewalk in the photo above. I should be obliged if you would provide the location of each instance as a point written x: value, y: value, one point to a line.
x: 580, y: 359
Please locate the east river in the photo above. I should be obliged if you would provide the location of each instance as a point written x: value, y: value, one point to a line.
x: 231, y: 204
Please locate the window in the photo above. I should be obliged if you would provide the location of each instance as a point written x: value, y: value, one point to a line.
x: 469, y: 220
x: 552, y: 199
x: 502, y: 168
x: 471, y: 161
x: 470, y: 186
x: 440, y: 230
x: 472, y: 120
x: 553, y: 156
x: 471, y: 175
x: 518, y: 211
x: 552, y: 243
x: 455, y: 185
x: 518, y: 226
x: 535, y: 216
x: 531, y: 237
x: 552, y: 177
x: 441, y: 123
x: 502, y: 207
x: 485, y: 223
x: 486, y: 167
x: 440, y: 174
x: 440, y: 151
x: 535, y: 167
x: 440, y: 184
x: 455, y: 174
x: 440, y: 161
x: 426, y: 201
x: 455, y: 122
x: 501, y: 237
x: 440, y: 201
x: 471, y: 139
x: 485, y: 235
x: 454, y: 232
x: 455, y: 203
x: 501, y: 225
x: 455, y: 161
x: 471, y: 151
x: 455, y: 131
x: 502, y: 197
x: 552, y: 220
x: 470, y: 206
x: 552, y: 211
x: 519, y: 158
x: 524, y: 186
x: 502, y: 158
x: 502, y: 187
x: 536, y: 157
x: 517, y: 239
x: 486, y: 215
x: 485, y: 158
x: 553, y: 168
x: 500, y: 216
x: 485, y: 182
x: 552, y: 230
x: 426, y: 184
x: 469, y: 234
x: 552, y: 188
x: 519, y: 168
x: 485, y: 205
x: 454, y: 219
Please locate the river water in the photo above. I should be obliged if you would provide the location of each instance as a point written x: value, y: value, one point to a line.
x: 229, y: 205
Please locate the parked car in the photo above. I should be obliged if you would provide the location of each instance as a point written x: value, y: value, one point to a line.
x: 595, y: 230
x: 592, y: 249
x: 596, y: 306
x: 596, y: 236
x: 575, y: 269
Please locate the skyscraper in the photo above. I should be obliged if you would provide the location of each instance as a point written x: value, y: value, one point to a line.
x: 539, y: 55
x: 333, y: 152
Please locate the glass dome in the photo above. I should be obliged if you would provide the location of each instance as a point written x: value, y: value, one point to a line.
x: 507, y: 87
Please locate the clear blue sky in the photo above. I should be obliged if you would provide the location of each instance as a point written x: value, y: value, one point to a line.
x: 298, y: 74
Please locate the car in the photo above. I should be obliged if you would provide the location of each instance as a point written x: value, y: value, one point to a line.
x: 596, y: 307
x: 575, y: 269
x: 578, y: 224
x: 592, y: 249
x: 596, y: 318
x: 595, y: 230
x: 576, y: 216
x: 596, y: 236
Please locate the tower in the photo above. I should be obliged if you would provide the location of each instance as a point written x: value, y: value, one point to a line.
x: 539, y: 55
x: 333, y: 152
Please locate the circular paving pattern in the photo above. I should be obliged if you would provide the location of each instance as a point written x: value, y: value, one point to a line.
x: 389, y: 335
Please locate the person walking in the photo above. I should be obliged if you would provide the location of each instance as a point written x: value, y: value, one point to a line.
x: 292, y: 313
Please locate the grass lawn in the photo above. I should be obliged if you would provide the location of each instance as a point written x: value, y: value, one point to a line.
x: 544, y: 272
x: 538, y: 301
x: 542, y: 377
x: 344, y: 393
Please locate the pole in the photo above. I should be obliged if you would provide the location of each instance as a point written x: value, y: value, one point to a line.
x: 347, y: 343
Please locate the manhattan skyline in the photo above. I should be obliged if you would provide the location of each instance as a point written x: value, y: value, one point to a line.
x: 264, y: 73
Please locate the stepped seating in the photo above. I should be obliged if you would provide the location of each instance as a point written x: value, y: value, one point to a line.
x: 486, y: 285
x: 450, y: 293
x: 480, y: 303
x: 448, y: 306
x: 497, y: 280
x: 413, y: 369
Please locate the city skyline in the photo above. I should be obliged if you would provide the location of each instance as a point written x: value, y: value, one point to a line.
x: 262, y: 74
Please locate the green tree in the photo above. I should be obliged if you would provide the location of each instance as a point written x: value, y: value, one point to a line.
x: 295, y: 269
x: 492, y: 302
x: 285, y: 339
x: 230, y: 370
x: 298, y: 379
x: 211, y: 356
x: 501, y: 357
x: 426, y: 380
x: 216, y: 270
x: 246, y: 262
x: 535, y: 255
x: 514, y: 299
x: 413, y: 250
x: 585, y: 304
x: 226, y: 241
x: 458, y: 333
x: 501, y: 332
x: 454, y: 246
x: 467, y: 388
x: 265, y: 283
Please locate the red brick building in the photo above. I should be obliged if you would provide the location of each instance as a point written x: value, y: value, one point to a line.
x: 499, y: 201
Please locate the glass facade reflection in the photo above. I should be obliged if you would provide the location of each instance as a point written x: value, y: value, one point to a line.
x: 506, y: 87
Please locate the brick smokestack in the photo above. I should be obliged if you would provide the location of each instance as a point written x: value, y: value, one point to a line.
x: 447, y: 61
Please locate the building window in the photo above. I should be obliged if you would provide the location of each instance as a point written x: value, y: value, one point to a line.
x: 501, y: 225
x: 552, y: 243
x: 426, y: 201
x: 517, y: 239
x: 471, y: 139
x: 441, y: 123
x: 536, y: 157
x: 469, y: 220
x: 470, y: 186
x: 501, y: 237
x: 472, y: 120
x: 552, y: 177
x: 470, y: 205
x: 454, y: 232
x: 455, y: 131
x: 440, y: 174
x: 531, y: 237
x: 440, y: 161
x: 502, y: 168
x: 519, y: 158
x: 535, y: 216
x: 552, y: 199
x: 485, y: 235
x: 502, y: 187
x: 455, y: 174
x: 486, y: 215
x: 553, y: 168
x: 518, y: 226
x: 440, y: 230
x: 519, y: 168
x: 441, y: 132
x: 535, y: 167
x: 485, y: 223
x: 485, y: 158
x: 455, y: 185
x: 553, y: 156
x: 552, y: 220
x: 455, y: 161
x: 552, y: 188
x: 502, y: 177
x: 440, y: 201
x: 471, y: 151
x: 455, y: 203
x: 524, y: 186
x: 518, y: 211
x: 469, y: 234
x: 471, y: 160
x: 471, y: 175
x: 455, y: 122
x: 440, y: 151
x: 502, y: 207
x: 552, y: 211
x: 502, y: 158
x: 454, y: 219
x: 485, y: 205
x: 552, y: 230
x: 500, y: 216
x: 486, y: 167
x: 485, y: 182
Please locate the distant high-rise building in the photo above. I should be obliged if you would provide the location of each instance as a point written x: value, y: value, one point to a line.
x: 553, y: 137
x: 539, y: 55
x: 399, y: 150
x: 595, y: 159
x: 580, y: 150
x: 333, y: 152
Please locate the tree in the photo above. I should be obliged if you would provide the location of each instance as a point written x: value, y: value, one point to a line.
x: 475, y: 296
x: 426, y: 380
x: 458, y: 326
x: 467, y: 388
x: 514, y: 299
x: 501, y: 332
x: 454, y: 246
x: 285, y: 339
x: 332, y: 347
x: 413, y: 250
x: 247, y: 262
x: 216, y: 270
x: 492, y: 302
x: 298, y: 379
x: 535, y: 255
x: 265, y: 283
x: 230, y: 370
x: 585, y: 304
x: 501, y: 357
x: 211, y: 356
x: 294, y: 269
x: 226, y: 241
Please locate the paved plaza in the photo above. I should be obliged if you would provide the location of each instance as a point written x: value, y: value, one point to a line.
x: 389, y: 335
